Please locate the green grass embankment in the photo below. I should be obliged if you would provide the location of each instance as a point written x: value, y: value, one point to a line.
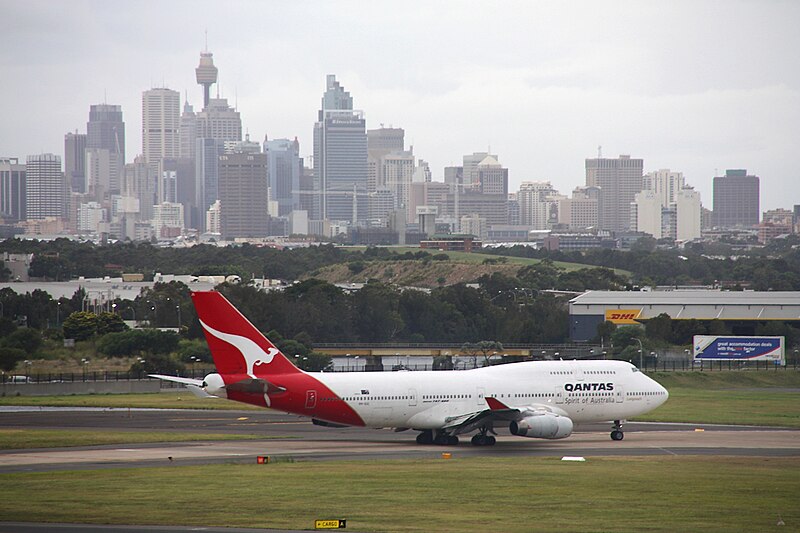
x: 762, y: 398
x: 476, y: 494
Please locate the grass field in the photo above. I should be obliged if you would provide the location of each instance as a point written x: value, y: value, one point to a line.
x: 16, y: 439
x: 465, y: 257
x: 738, y: 397
x: 178, y: 400
x: 476, y: 494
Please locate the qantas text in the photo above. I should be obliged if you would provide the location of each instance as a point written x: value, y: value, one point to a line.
x: 576, y: 387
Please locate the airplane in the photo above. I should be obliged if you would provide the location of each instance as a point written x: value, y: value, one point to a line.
x: 536, y: 399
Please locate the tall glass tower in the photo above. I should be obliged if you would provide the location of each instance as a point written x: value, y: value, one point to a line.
x: 340, y: 158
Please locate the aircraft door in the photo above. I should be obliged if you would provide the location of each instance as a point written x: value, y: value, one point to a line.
x: 481, y: 396
x: 619, y: 394
x: 559, y: 394
x: 412, y: 397
x: 311, y: 399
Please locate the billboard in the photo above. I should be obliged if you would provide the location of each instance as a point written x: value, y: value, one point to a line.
x: 715, y: 348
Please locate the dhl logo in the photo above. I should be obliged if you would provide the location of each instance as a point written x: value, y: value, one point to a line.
x: 623, y: 316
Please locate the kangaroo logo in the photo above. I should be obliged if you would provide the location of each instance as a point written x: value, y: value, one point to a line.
x: 252, y: 352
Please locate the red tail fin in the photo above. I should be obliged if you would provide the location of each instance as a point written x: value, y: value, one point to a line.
x: 236, y: 345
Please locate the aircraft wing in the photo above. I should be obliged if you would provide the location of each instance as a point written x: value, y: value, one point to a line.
x: 497, y: 411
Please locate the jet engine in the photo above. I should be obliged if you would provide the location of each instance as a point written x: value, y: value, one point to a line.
x: 544, y: 426
x: 214, y: 385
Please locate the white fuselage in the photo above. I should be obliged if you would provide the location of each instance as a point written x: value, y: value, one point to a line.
x: 584, y: 391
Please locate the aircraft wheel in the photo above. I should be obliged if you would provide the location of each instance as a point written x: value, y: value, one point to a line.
x: 491, y: 441
x: 479, y: 440
x: 452, y: 440
x: 617, y: 435
x: 426, y: 437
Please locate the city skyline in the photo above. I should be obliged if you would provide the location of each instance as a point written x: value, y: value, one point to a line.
x: 695, y: 87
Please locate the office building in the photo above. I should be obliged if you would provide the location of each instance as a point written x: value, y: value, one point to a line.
x: 160, y: 124
x: 619, y: 180
x: 243, y: 195
x: 45, y: 194
x: 13, y: 206
x: 492, y: 177
x: 207, y: 154
x: 90, y: 215
x: 75, y: 161
x: 218, y: 120
x: 381, y: 142
x: 187, y: 132
x: 167, y: 220
x: 580, y: 211
x: 736, y: 199
x: 106, y: 130
x: 340, y: 158
x: 284, y: 168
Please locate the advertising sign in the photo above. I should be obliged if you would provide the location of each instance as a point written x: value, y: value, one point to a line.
x: 710, y: 347
x: 623, y: 316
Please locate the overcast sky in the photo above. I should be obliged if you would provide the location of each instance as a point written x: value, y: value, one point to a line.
x: 694, y: 86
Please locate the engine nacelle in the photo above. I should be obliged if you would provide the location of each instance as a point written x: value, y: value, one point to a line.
x: 214, y: 385
x: 545, y: 426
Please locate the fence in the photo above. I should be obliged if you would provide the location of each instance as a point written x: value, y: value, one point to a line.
x: 685, y: 365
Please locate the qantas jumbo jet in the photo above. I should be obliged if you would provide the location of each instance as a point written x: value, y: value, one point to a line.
x: 535, y: 399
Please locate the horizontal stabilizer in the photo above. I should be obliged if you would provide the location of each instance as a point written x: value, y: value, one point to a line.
x: 178, y: 379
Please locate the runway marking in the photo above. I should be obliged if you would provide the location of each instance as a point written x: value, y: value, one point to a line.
x: 665, y: 450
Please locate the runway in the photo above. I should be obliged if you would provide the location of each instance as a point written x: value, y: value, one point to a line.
x: 284, y: 437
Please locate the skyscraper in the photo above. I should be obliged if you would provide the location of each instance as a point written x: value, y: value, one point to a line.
x: 340, y: 158
x: 381, y: 142
x: 243, y: 195
x: 219, y: 121
x: 45, y: 194
x: 207, y: 153
x: 736, y: 199
x: 619, y: 181
x: 75, y: 161
x: 12, y: 189
x: 160, y: 123
x: 284, y: 167
x: 106, y: 130
x: 187, y: 131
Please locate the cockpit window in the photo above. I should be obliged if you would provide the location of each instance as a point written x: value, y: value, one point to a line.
x: 634, y: 369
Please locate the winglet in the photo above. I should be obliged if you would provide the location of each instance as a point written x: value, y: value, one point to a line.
x: 495, y: 404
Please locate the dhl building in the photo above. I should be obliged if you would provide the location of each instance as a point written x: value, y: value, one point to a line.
x: 742, y: 310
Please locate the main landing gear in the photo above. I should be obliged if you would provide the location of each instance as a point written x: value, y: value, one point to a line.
x: 483, y: 439
x: 616, y: 431
x: 441, y: 438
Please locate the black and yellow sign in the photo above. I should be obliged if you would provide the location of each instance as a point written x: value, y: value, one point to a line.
x: 330, y: 524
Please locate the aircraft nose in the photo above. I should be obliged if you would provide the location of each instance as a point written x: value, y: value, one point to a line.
x: 665, y: 393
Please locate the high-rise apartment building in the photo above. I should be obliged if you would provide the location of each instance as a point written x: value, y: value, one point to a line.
x: 736, y: 199
x: 397, y: 169
x: 13, y: 201
x: 75, y: 161
x: 665, y: 183
x: 381, y: 142
x: 243, y: 195
x: 340, y: 158
x: 535, y: 200
x: 160, y: 123
x: 284, y: 168
x: 580, y: 211
x: 619, y: 180
x: 106, y: 130
x: 45, y: 194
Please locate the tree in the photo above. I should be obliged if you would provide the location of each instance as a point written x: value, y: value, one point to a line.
x: 9, y: 357
x: 81, y: 325
x: 26, y: 339
x: 110, y: 323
